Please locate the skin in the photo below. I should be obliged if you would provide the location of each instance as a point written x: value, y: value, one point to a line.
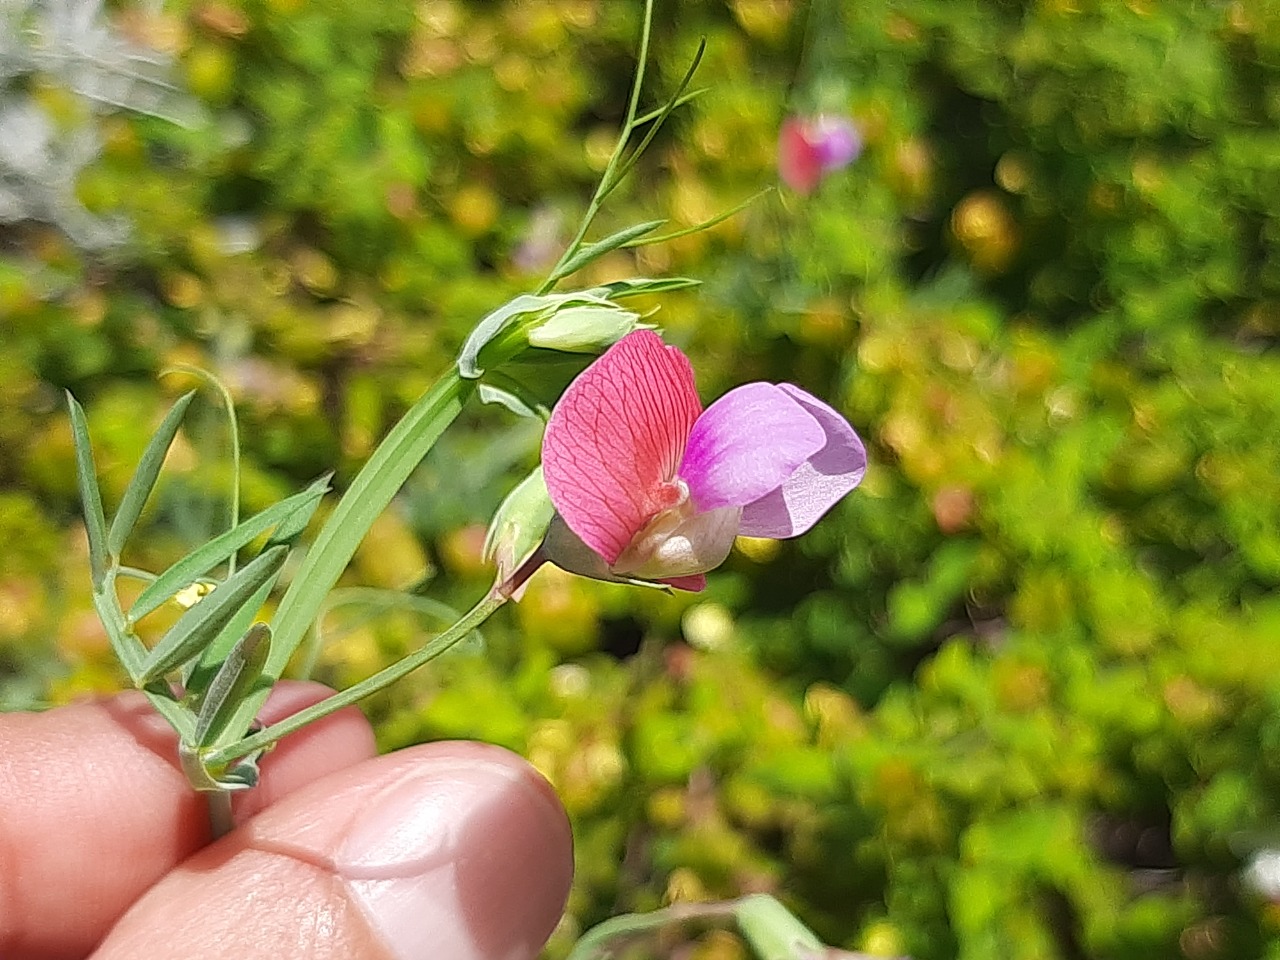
x: 444, y: 849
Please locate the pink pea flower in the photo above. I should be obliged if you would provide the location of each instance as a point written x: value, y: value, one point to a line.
x: 809, y: 148
x: 649, y: 486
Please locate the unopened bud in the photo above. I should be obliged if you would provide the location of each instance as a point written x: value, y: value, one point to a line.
x: 518, y: 526
x: 584, y: 327
x: 581, y: 322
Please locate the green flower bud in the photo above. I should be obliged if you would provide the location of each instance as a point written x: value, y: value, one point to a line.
x: 517, y: 529
x: 584, y: 327
x: 582, y: 322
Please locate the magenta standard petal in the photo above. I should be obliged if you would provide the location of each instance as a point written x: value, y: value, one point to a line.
x: 614, y: 441
x: 746, y: 444
x: 817, y: 484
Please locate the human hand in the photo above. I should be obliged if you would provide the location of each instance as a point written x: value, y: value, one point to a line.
x: 457, y: 851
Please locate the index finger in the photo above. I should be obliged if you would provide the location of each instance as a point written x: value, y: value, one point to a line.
x: 94, y: 810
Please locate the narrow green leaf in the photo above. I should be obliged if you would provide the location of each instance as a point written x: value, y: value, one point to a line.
x: 204, y: 558
x: 705, y: 224
x: 176, y: 713
x: 197, y: 627
x: 235, y: 678
x: 369, y: 494
x: 372, y: 489
x: 291, y: 527
x: 593, y: 251
x: 676, y: 103
x: 144, y: 478
x: 638, y: 286
x: 95, y: 522
x: 201, y: 672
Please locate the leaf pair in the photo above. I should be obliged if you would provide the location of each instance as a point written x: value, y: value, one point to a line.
x: 105, y: 545
x: 221, y: 655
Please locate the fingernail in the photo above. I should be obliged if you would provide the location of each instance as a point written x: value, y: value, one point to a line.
x: 465, y: 859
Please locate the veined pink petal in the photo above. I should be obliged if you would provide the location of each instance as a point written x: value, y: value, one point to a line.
x: 799, y: 161
x: 747, y: 444
x: 614, y: 441
x: 817, y: 484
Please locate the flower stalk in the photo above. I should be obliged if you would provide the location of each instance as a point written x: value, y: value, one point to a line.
x: 439, y: 645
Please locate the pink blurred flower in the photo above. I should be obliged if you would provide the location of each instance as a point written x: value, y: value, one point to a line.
x: 809, y: 148
x: 649, y: 486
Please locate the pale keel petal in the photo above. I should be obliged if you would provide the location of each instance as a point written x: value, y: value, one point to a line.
x: 680, y: 544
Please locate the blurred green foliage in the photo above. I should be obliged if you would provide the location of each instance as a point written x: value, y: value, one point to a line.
x: 1018, y: 697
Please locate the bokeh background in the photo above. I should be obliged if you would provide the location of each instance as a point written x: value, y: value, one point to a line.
x: 1017, y: 697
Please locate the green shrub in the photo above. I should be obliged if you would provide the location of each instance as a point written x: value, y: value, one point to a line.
x: 1017, y: 696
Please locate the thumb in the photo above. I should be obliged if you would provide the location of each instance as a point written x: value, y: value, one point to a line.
x: 456, y: 850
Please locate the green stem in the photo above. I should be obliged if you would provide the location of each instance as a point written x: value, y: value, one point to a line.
x: 373, y: 488
x: 220, y: 820
x: 604, y: 939
x: 719, y: 218
x: 610, y: 178
x: 233, y: 428
x: 770, y: 929
x: 133, y: 573
x: 380, y: 599
x: 264, y: 738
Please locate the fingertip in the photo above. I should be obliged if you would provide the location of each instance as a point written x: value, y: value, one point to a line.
x: 340, y: 740
x: 474, y: 836
x: 99, y: 783
x: 456, y: 850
